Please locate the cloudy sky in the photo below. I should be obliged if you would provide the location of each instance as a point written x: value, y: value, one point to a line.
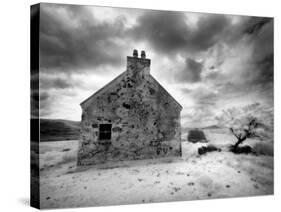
x: 208, y: 62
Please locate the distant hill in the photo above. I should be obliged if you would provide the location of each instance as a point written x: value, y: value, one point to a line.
x: 211, y: 127
x: 58, y: 129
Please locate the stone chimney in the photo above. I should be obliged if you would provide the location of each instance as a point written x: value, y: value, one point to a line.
x: 142, y: 54
x: 136, y: 63
x: 135, y: 53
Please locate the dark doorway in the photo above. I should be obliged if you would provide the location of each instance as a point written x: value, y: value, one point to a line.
x: 105, y: 131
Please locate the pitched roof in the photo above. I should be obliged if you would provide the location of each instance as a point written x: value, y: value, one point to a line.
x: 119, y: 77
x: 166, y: 91
x: 103, y: 88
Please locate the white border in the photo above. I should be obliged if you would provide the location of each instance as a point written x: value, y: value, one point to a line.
x: 14, y: 157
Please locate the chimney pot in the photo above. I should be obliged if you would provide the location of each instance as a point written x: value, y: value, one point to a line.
x: 143, y: 54
x: 135, y: 53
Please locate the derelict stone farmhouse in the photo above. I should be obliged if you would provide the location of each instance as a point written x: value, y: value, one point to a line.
x: 132, y: 117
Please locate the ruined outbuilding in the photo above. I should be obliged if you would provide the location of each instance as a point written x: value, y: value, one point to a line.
x: 132, y: 117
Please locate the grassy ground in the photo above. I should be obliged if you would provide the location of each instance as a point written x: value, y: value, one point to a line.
x: 214, y: 175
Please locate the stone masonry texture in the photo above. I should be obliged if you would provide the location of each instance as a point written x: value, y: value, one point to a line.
x: 144, y: 118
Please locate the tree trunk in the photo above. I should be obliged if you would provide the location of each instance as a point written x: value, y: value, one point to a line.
x: 240, y: 140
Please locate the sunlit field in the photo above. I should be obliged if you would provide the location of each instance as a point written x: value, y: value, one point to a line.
x: 191, y: 177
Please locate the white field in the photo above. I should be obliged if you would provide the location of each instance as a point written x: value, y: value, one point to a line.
x: 192, y: 177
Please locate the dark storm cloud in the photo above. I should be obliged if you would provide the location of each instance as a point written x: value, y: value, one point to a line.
x: 72, y: 39
x: 257, y: 76
x: 262, y: 36
x: 255, y: 24
x: 209, y: 31
x: 191, y: 72
x: 168, y: 31
x: 258, y: 31
x: 57, y: 83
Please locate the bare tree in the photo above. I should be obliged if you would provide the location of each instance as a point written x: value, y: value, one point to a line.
x: 247, y: 132
x: 251, y: 121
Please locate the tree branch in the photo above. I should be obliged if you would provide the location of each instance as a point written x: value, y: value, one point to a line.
x: 252, y: 124
x: 234, y: 133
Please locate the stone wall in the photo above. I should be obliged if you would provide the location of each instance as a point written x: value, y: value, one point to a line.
x: 145, y: 119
